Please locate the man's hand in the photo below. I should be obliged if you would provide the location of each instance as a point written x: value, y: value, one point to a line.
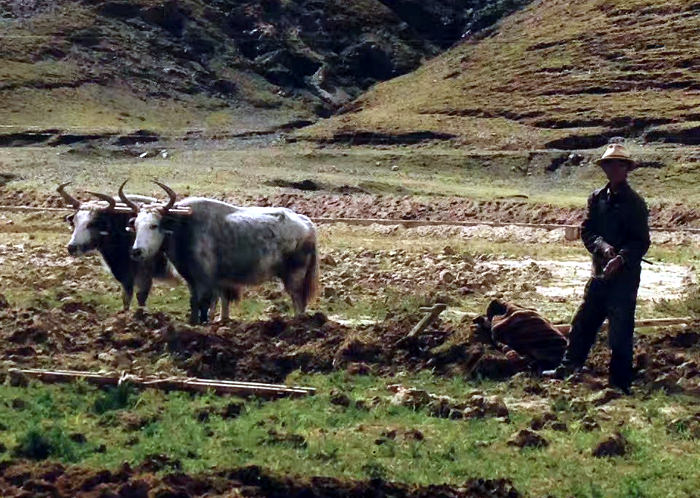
x: 613, y: 266
x: 512, y: 356
x: 609, y: 252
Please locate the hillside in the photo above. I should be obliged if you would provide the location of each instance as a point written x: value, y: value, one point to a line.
x: 223, y: 65
x: 556, y: 74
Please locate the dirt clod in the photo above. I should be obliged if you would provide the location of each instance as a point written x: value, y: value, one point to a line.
x: 615, y: 445
x: 339, y: 398
x: 526, y: 438
x: 604, y: 396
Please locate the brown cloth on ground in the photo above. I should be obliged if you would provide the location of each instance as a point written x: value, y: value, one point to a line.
x: 527, y: 333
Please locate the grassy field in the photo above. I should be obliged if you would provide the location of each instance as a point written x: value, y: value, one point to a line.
x: 79, y: 424
x: 374, y: 273
x: 211, y: 168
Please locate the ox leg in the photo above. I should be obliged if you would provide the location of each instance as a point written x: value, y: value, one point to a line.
x: 204, y: 305
x: 294, y: 285
x: 194, y: 306
x: 212, y: 309
x: 228, y: 295
x: 144, y: 289
x: 224, y: 312
x: 127, y: 294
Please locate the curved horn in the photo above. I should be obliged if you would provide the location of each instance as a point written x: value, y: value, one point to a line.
x: 75, y: 203
x: 170, y: 192
x: 126, y: 200
x: 108, y: 198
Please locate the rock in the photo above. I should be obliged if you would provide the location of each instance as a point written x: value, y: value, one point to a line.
x: 526, y: 438
x: 493, y: 406
x: 414, y: 398
x: 394, y: 168
x: 604, y: 396
x: 614, y: 445
x: 329, y: 260
x: 339, y: 398
x: 446, y: 277
x: 4, y: 304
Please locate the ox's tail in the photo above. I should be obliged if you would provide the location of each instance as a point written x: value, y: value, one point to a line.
x: 311, y: 278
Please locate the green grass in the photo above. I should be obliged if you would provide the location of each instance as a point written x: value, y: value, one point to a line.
x: 311, y: 436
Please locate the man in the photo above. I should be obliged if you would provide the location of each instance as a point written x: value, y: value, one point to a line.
x: 525, y: 337
x: 616, y: 233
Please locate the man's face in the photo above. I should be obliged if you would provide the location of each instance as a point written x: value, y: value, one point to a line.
x: 615, y: 170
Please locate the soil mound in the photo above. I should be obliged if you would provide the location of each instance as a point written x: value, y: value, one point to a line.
x: 20, y: 478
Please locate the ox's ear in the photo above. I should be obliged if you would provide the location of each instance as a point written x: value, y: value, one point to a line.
x: 130, y: 225
x: 69, y: 218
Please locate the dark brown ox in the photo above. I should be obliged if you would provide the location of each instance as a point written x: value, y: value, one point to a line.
x: 102, y: 226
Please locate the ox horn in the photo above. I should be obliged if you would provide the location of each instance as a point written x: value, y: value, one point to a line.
x: 126, y: 200
x: 107, y: 198
x: 170, y: 192
x: 75, y: 203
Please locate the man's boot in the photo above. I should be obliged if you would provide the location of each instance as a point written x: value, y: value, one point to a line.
x: 561, y: 372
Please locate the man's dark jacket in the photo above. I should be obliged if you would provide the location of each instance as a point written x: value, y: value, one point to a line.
x: 618, y: 219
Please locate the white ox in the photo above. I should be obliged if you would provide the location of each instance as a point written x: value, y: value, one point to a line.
x: 219, y: 248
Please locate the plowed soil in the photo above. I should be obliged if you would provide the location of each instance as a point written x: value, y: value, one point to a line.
x: 408, y: 208
x: 75, y: 337
x: 19, y: 478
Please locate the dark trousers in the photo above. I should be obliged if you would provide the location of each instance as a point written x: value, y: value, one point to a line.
x: 616, y: 300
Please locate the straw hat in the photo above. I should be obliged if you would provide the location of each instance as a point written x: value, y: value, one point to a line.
x: 618, y: 152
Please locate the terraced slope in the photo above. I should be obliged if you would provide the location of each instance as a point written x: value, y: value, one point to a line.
x: 556, y: 74
x: 222, y: 65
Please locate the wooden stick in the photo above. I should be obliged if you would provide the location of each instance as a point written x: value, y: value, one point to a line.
x: 169, y: 383
x: 431, y: 314
x: 565, y: 328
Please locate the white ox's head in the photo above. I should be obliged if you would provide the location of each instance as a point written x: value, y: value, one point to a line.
x: 150, y: 225
x: 88, y: 221
x: 150, y: 233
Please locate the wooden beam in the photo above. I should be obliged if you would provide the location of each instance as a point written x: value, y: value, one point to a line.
x: 169, y: 383
x: 431, y: 313
x: 651, y: 322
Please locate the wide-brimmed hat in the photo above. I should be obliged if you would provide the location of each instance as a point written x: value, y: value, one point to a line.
x: 619, y: 153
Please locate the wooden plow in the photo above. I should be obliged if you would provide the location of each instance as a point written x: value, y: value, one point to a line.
x: 189, y: 384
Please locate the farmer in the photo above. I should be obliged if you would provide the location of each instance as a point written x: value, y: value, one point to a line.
x: 616, y: 233
x: 525, y: 337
